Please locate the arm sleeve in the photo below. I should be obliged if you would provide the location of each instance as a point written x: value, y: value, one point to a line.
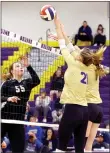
x: 74, y: 50
x: 34, y: 81
x: 80, y: 30
x: 89, y: 31
x: 4, y: 92
x: 70, y: 60
x: 66, y: 53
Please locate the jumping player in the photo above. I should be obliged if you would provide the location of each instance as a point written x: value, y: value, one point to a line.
x: 75, y: 117
x: 15, y: 93
x: 95, y: 72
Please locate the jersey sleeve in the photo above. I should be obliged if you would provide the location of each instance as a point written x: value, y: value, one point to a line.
x: 70, y: 60
x: 34, y: 80
x: 74, y: 50
x: 4, y: 92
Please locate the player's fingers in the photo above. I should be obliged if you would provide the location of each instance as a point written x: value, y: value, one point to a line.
x: 14, y: 99
x: 23, y: 58
x: 17, y: 98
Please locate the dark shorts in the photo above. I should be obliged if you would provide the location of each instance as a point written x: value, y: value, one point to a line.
x: 95, y: 113
x: 74, y: 121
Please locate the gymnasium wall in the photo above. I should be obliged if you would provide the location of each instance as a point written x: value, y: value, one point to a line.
x: 23, y: 17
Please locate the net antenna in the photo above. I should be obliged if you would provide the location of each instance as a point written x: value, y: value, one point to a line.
x: 47, y: 32
x: 39, y: 40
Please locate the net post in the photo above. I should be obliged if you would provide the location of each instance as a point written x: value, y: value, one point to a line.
x: 47, y: 31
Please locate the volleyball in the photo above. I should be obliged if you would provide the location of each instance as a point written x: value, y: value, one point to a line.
x: 47, y: 13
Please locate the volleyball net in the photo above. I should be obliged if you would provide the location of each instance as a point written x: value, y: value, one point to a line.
x: 44, y: 59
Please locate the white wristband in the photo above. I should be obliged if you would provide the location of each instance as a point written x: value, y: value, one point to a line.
x: 71, y: 47
x: 62, y: 43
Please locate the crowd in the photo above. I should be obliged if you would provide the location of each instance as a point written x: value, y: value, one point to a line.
x: 39, y: 138
x: 85, y: 34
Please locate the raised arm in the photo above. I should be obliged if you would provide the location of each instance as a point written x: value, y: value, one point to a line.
x: 34, y: 77
x: 34, y: 80
x: 62, y: 44
x: 74, y: 50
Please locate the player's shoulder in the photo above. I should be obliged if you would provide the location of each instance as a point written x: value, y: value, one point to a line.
x: 4, y: 83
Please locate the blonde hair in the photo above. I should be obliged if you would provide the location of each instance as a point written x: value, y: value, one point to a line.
x: 87, y: 56
x: 8, y: 75
x: 97, y: 58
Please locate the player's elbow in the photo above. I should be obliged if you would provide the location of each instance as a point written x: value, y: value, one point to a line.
x: 38, y: 81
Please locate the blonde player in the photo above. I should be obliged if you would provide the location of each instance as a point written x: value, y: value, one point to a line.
x: 75, y: 117
x: 95, y: 71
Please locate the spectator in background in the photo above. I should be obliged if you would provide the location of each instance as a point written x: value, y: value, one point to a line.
x: 50, y: 140
x: 106, y: 135
x: 107, y: 124
x: 84, y: 33
x: 58, y: 112
x: 100, y: 38
x: 5, y: 145
x: 28, y: 113
x: 42, y: 104
x: 100, y: 142
x: 34, y: 135
x: 57, y: 82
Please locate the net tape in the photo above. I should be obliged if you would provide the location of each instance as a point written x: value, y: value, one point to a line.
x: 56, y: 126
x: 28, y: 41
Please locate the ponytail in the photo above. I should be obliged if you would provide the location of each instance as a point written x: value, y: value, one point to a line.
x: 6, y: 76
x: 99, y: 70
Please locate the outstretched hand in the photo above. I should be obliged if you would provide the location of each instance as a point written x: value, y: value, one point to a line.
x: 25, y: 61
x: 13, y: 99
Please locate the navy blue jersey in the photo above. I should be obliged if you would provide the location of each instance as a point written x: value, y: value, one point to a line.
x: 20, y: 89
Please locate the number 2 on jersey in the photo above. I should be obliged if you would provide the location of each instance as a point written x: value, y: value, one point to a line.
x: 84, y: 80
